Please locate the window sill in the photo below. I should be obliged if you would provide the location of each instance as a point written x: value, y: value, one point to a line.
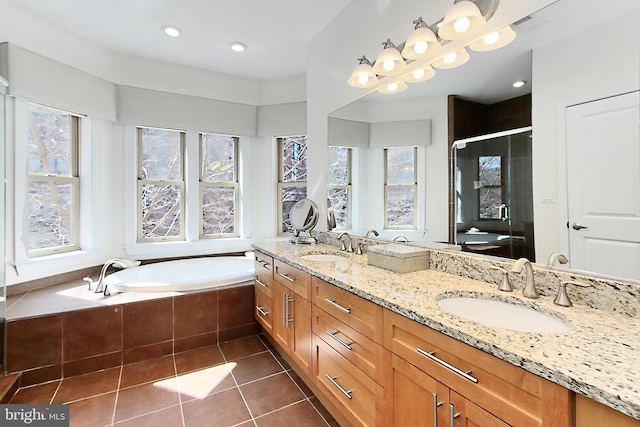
x: 181, y: 249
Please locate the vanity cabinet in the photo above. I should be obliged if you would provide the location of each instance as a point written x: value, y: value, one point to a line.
x: 474, y: 379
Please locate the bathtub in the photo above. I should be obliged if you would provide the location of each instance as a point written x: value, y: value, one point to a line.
x: 183, y: 275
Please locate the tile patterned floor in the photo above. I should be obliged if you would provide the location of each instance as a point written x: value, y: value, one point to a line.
x: 239, y: 383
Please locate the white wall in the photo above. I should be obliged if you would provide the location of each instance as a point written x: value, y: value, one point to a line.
x: 601, y: 62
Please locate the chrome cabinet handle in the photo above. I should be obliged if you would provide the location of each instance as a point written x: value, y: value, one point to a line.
x: 577, y: 226
x: 436, y: 405
x: 452, y: 415
x: 338, y: 306
x: 289, y: 278
x: 285, y: 310
x: 261, y: 311
x: 338, y: 386
x: 463, y: 374
x: 337, y: 338
x: 263, y: 263
x: 259, y: 282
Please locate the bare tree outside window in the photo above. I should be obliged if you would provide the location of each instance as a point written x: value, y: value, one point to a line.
x: 339, y: 184
x: 400, y: 187
x: 160, y: 184
x: 490, y: 191
x: 292, y: 185
x: 53, y: 182
x: 218, y: 184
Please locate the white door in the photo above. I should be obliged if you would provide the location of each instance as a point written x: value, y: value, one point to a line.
x: 603, y: 183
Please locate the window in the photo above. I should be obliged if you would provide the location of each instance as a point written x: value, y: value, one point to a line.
x: 160, y: 184
x: 53, y: 181
x: 400, y: 188
x: 292, y: 182
x: 490, y: 191
x: 339, y: 180
x: 218, y: 185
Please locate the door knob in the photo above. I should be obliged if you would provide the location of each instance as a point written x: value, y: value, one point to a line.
x: 577, y: 226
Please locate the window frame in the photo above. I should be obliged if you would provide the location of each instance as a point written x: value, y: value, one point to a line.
x: 414, y: 186
x: 285, y: 184
x: 202, y: 185
x: 347, y: 187
x: 141, y: 182
x: 73, y: 180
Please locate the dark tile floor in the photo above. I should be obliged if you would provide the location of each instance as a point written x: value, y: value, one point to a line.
x: 237, y: 383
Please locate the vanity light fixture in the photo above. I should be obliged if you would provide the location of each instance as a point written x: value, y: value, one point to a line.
x: 389, y: 61
x: 420, y: 75
x: 461, y: 20
x: 494, y: 40
x: 453, y: 59
x: 393, y: 87
x: 363, y: 75
x: 519, y: 83
x: 171, y: 30
x: 238, y: 47
x: 422, y: 41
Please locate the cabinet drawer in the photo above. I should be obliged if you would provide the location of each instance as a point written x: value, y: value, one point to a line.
x: 263, y: 283
x: 513, y: 394
x: 296, y: 280
x: 360, y: 314
x: 264, y: 310
x: 351, y: 344
x: 263, y: 264
x: 353, y: 392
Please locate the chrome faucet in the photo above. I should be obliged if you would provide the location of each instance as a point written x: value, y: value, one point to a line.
x: 557, y: 257
x: 529, y: 290
x: 372, y: 231
x: 343, y: 246
x: 401, y: 238
x: 116, y: 262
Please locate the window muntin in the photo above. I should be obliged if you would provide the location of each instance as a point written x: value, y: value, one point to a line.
x: 400, y: 188
x: 490, y: 191
x: 292, y: 180
x: 339, y: 184
x: 160, y: 184
x: 218, y: 185
x: 53, y: 186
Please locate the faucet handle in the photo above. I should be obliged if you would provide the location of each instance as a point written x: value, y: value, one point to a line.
x: 505, y: 285
x: 89, y: 280
x: 562, y: 299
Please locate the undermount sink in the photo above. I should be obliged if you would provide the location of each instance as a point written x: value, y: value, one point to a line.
x: 500, y: 314
x: 324, y: 257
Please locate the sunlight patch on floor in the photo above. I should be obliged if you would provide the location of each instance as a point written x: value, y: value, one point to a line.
x: 198, y: 384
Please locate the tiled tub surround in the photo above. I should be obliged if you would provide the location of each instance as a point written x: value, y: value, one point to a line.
x: 66, y: 330
x: 598, y: 358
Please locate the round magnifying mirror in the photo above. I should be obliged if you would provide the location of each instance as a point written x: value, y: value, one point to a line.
x: 303, y: 216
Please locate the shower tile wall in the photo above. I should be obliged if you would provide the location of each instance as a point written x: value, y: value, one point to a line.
x: 81, y: 341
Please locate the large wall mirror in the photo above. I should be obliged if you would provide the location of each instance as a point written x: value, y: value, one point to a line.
x: 566, y: 61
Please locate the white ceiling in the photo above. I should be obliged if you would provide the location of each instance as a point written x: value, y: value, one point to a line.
x: 278, y: 32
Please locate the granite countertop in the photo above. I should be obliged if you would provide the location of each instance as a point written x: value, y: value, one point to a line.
x: 598, y: 357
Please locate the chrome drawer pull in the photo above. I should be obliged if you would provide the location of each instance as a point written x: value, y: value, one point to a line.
x: 261, y: 311
x: 463, y: 374
x: 263, y: 263
x: 335, y: 383
x: 338, y: 306
x: 291, y: 279
x: 452, y: 415
x: 259, y: 282
x: 335, y: 337
x: 436, y: 405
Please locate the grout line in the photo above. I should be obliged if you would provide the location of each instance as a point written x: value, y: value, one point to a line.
x: 175, y: 374
x: 237, y: 386
x: 115, y: 401
x: 56, y: 392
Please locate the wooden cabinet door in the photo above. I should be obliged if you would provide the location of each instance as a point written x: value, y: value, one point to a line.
x: 300, y: 331
x: 465, y: 414
x: 280, y: 307
x: 413, y: 398
x: 264, y: 310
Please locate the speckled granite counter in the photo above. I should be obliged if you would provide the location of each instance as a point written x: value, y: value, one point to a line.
x: 599, y: 357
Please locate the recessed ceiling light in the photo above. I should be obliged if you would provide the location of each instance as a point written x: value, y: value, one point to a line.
x: 238, y: 47
x: 171, y: 30
x: 519, y: 83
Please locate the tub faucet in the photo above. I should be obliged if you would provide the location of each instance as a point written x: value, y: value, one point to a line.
x: 529, y: 290
x: 116, y: 262
x: 557, y: 257
x: 402, y: 239
x: 343, y: 245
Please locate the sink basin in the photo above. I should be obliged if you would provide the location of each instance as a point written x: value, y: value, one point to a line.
x: 323, y: 257
x: 500, y: 314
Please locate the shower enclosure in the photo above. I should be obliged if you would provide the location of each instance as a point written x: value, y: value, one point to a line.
x: 494, y: 195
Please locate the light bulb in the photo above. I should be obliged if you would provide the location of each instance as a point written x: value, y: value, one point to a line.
x: 418, y: 74
x: 420, y: 47
x: 392, y: 87
x: 462, y: 24
x: 519, y: 83
x: 363, y: 79
x: 491, y: 38
x: 389, y: 64
x: 450, y: 57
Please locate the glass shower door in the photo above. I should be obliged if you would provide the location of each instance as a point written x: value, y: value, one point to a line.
x: 494, y: 197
